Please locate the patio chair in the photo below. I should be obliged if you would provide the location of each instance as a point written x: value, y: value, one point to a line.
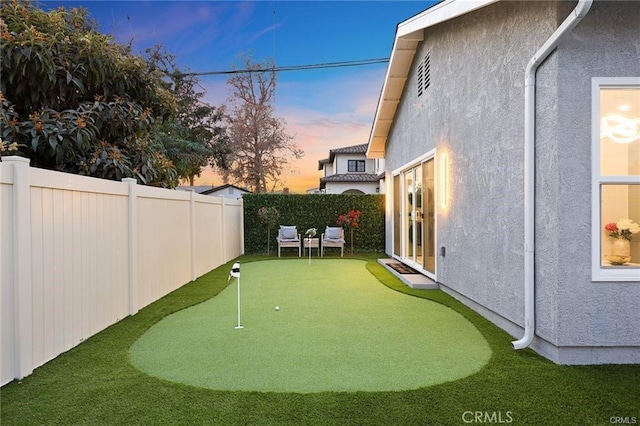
x: 333, y: 236
x: 288, y: 237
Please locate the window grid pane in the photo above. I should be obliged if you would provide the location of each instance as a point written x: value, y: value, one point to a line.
x: 619, y: 169
x: 356, y: 165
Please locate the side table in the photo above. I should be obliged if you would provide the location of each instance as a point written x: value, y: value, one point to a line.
x: 314, y: 243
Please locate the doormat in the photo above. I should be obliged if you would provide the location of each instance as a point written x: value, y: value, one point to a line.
x: 402, y: 269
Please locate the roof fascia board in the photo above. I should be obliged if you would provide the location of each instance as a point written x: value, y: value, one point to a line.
x: 439, y: 13
x: 390, y: 74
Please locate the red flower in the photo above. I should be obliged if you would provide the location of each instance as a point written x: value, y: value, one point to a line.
x: 611, y: 227
x: 350, y: 219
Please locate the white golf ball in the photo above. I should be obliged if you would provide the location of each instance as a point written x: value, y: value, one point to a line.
x: 277, y: 308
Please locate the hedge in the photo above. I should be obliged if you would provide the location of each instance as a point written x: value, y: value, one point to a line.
x: 315, y: 211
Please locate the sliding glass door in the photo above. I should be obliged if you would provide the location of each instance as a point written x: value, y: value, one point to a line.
x: 414, y: 216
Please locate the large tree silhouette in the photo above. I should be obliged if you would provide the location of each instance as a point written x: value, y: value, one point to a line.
x: 261, y: 149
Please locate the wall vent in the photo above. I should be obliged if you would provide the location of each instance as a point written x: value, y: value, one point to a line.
x: 424, y: 74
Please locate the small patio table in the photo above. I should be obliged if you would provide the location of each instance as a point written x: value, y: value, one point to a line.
x: 312, y: 243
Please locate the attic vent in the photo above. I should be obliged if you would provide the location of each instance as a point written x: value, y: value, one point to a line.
x: 424, y: 74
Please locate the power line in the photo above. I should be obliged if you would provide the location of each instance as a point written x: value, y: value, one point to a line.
x: 289, y: 68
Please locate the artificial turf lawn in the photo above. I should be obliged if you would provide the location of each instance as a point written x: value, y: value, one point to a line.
x: 338, y: 329
x: 95, y: 384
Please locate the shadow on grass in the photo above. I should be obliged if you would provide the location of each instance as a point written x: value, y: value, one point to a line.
x: 94, y: 383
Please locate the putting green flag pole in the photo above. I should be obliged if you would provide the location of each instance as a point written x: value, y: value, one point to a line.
x: 235, y: 273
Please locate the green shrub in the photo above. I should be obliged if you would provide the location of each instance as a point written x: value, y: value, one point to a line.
x: 315, y: 211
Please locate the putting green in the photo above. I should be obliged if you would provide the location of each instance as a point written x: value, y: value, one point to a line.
x: 338, y: 329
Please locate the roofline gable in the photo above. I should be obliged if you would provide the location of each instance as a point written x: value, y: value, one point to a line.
x: 409, y: 34
x: 224, y: 186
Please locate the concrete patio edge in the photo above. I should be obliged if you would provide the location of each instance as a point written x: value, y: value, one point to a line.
x: 417, y: 281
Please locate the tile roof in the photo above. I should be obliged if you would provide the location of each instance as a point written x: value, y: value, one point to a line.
x: 353, y: 149
x: 351, y: 177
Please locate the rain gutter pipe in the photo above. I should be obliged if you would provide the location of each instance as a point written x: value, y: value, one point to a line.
x: 579, y: 12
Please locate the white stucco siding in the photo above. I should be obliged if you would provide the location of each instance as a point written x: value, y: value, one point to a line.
x: 342, y: 163
x: 328, y: 169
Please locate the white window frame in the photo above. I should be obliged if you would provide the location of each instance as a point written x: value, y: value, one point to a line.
x: 598, y: 272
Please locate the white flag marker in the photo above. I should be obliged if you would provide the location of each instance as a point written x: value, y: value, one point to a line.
x: 235, y: 273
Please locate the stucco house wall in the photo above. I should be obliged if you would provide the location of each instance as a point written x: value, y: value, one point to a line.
x: 578, y: 313
x: 473, y: 111
x: 342, y: 163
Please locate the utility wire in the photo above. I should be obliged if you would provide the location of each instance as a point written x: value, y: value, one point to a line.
x: 289, y: 68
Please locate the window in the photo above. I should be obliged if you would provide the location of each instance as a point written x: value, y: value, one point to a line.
x: 615, y: 175
x: 356, y: 166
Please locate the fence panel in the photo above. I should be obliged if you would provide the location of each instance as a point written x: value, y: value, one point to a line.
x: 208, y: 226
x: 78, y: 254
x: 93, y: 230
x: 163, y: 243
x: 234, y: 222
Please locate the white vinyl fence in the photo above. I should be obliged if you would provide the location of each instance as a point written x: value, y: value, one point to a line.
x: 78, y: 254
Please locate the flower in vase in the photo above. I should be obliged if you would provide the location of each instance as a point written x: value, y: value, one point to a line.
x: 624, y: 228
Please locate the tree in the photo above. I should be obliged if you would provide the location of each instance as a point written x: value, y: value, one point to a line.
x: 350, y: 220
x: 74, y: 100
x: 270, y: 217
x: 260, y: 146
x: 196, y: 136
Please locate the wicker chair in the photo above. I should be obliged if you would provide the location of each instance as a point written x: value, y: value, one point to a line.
x: 333, y: 236
x: 288, y: 237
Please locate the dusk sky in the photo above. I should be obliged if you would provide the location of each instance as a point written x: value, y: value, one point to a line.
x: 323, y: 108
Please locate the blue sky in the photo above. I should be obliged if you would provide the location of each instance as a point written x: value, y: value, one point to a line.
x: 323, y: 108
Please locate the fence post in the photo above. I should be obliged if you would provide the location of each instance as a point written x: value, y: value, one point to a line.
x: 22, y: 282
x: 223, y: 229
x: 133, y: 244
x: 192, y: 233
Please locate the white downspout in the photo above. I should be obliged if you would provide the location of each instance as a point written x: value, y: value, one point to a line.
x: 579, y: 12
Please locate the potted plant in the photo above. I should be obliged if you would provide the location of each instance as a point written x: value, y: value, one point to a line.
x: 622, y: 232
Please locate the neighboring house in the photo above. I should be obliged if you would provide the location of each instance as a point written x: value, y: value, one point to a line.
x: 501, y: 197
x: 349, y: 171
x: 198, y: 189
x: 227, y: 190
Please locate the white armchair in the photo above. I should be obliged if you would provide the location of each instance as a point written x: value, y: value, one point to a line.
x: 288, y: 237
x: 333, y: 236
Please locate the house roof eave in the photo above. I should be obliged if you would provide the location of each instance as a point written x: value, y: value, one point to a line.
x: 222, y: 187
x: 409, y: 34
